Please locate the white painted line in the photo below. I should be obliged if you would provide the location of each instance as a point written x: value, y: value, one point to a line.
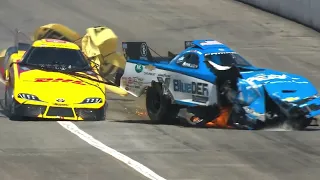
x: 99, y: 145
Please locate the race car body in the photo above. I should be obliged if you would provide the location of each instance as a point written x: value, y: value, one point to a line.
x: 52, y: 80
x: 98, y: 45
x: 208, y: 75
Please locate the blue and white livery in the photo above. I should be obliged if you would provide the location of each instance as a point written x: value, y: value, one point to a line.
x: 207, y: 74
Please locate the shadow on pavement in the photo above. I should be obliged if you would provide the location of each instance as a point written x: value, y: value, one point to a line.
x: 184, y: 124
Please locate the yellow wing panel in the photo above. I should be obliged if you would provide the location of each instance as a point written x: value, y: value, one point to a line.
x: 55, y: 31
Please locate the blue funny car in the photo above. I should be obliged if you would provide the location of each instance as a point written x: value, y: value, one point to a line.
x: 207, y: 76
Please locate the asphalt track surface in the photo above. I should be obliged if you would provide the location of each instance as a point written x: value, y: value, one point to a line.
x: 46, y: 150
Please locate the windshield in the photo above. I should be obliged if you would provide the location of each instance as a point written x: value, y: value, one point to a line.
x: 227, y: 59
x: 69, y: 58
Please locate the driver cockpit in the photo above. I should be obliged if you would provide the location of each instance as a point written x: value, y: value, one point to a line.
x: 227, y: 59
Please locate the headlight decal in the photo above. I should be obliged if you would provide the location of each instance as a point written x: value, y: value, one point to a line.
x: 28, y: 97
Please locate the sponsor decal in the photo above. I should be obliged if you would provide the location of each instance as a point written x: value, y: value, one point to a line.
x: 189, y: 65
x: 132, y: 82
x: 193, y: 87
x: 165, y: 80
x: 42, y: 80
x: 264, y: 77
x: 150, y: 67
x: 56, y: 104
x: 195, y: 51
x: 138, y: 81
x: 55, y: 40
x: 149, y: 73
x: 198, y: 90
x: 144, y: 49
x: 189, y: 43
x: 290, y: 99
x: 208, y: 43
x: 218, y: 53
x: 60, y: 100
x: 139, y: 68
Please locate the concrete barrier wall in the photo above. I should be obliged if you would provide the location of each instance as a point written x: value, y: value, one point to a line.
x: 306, y: 12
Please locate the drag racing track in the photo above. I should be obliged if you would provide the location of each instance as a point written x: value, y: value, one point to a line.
x: 59, y: 151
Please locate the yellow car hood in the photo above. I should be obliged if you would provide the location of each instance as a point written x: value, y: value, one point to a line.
x: 48, y: 86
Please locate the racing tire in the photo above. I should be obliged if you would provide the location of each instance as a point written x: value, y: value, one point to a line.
x: 159, y: 107
x: 11, y: 106
x: 12, y: 115
x: 300, y: 124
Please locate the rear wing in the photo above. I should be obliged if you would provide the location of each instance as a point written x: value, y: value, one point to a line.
x: 137, y: 50
x: 188, y: 44
x: 141, y: 50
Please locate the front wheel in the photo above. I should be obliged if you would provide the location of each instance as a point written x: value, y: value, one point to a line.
x: 11, y: 104
x: 12, y: 114
x: 159, y: 108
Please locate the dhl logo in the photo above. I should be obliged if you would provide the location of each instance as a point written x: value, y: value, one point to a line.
x: 59, y: 80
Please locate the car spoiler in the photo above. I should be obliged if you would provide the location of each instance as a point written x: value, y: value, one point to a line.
x: 141, y: 50
x: 188, y: 44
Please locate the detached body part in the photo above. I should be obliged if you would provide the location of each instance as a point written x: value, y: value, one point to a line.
x: 222, y: 121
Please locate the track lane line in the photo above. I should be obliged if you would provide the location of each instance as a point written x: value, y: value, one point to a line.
x: 71, y: 127
x: 99, y: 145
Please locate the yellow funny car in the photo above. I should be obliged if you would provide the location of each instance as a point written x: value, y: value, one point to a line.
x: 52, y: 78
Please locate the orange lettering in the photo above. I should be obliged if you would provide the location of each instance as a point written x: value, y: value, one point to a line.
x: 67, y: 80
x: 78, y: 82
x: 43, y: 79
x: 57, y: 80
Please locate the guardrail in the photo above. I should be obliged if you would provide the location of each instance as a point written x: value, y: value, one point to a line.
x: 306, y: 12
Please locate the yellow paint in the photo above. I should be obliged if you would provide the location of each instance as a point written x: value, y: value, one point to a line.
x: 99, y: 43
x: 55, y: 31
x: 290, y: 99
x: 48, y: 92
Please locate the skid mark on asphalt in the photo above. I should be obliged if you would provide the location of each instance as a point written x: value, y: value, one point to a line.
x: 99, y: 145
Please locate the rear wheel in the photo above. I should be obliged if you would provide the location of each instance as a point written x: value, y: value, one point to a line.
x: 300, y: 124
x: 159, y: 107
